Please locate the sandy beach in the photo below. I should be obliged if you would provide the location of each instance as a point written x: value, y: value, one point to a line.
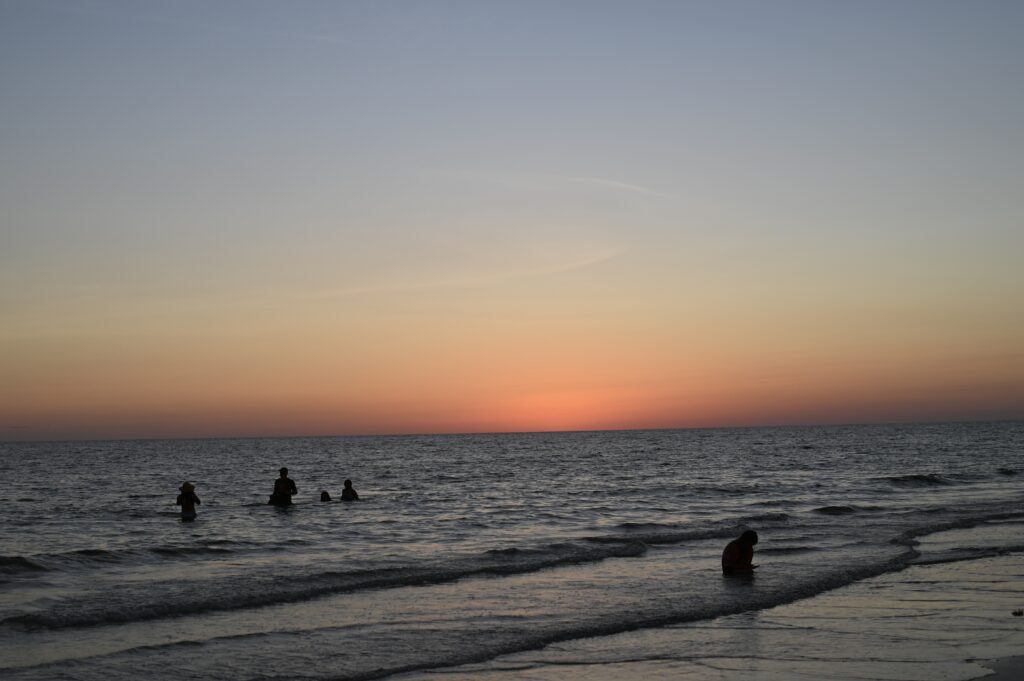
x: 946, y: 622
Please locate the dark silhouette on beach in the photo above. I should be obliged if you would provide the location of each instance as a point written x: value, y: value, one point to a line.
x: 284, y: 488
x: 188, y: 501
x: 738, y: 555
x: 349, y: 493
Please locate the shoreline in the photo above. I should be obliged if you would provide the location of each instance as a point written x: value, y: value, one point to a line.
x: 1005, y: 669
x: 929, y: 622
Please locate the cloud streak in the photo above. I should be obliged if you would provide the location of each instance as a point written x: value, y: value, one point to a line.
x: 617, y: 186
x: 464, y: 281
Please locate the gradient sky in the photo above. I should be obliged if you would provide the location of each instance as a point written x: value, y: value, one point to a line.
x: 285, y: 218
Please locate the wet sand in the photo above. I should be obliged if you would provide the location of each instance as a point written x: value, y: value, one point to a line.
x: 1006, y: 669
x: 947, y: 622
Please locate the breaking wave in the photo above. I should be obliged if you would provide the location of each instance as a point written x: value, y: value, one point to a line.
x: 918, y: 480
x: 168, y: 599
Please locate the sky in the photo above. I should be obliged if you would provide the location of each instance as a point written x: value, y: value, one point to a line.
x: 329, y: 218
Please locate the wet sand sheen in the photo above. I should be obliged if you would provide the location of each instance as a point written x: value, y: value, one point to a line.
x: 1006, y: 669
x: 949, y: 622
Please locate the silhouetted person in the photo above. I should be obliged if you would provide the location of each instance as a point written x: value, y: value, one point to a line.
x: 324, y: 496
x: 187, y: 500
x: 349, y: 494
x: 738, y: 554
x: 284, y: 488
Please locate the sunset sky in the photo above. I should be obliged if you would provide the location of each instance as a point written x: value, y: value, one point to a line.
x: 313, y: 218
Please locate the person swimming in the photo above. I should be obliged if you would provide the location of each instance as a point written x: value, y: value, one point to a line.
x: 284, y: 488
x: 324, y: 496
x: 349, y: 493
x: 188, y: 501
x: 738, y: 554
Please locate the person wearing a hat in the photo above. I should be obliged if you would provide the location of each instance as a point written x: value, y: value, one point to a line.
x: 188, y: 500
x: 284, y: 488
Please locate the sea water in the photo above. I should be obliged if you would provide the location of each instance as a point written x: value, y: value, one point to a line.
x: 462, y: 548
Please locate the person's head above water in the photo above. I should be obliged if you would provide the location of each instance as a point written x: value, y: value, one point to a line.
x: 749, y: 537
x: 187, y: 486
x: 348, y: 483
x: 283, y: 472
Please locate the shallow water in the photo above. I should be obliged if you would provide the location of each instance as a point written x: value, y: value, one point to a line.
x: 930, y: 622
x: 464, y: 548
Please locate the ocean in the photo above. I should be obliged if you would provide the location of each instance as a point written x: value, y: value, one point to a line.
x: 464, y: 548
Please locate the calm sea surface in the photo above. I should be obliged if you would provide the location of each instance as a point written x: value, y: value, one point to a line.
x: 462, y: 548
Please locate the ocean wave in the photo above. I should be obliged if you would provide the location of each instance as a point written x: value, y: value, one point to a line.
x: 164, y: 600
x: 489, y: 644
x: 766, y: 518
x: 187, y: 551
x: 657, y: 534
x: 86, y: 556
x: 836, y: 510
x: 917, y: 480
x: 506, y: 552
x: 13, y: 565
x: 640, y: 527
x: 623, y: 622
x: 909, y: 537
x: 1006, y: 471
x: 79, y: 558
x: 964, y: 553
x: 786, y: 550
x: 661, y: 533
x: 718, y: 490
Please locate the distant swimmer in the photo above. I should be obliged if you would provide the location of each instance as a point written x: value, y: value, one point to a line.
x: 324, y: 496
x: 284, y: 488
x: 188, y: 501
x: 349, y: 494
x: 738, y: 554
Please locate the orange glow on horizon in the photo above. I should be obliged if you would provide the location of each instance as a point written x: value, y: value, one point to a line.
x: 498, y: 359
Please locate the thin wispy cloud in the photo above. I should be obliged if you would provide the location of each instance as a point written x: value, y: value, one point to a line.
x: 617, y: 186
x: 474, y: 280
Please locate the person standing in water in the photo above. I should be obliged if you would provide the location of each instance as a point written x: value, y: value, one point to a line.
x: 738, y: 555
x: 188, y: 501
x: 284, y: 488
x: 349, y: 493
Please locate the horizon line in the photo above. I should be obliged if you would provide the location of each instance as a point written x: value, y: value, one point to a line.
x: 523, y: 432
